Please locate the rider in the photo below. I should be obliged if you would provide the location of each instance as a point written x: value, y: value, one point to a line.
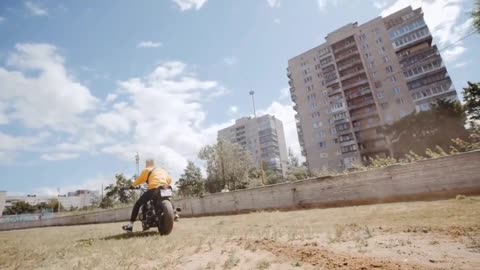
x: 154, y: 177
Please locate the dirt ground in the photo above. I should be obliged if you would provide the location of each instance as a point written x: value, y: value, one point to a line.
x: 418, y: 235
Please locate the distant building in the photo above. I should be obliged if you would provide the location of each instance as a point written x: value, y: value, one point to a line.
x: 263, y: 137
x: 76, y: 199
x: 362, y: 78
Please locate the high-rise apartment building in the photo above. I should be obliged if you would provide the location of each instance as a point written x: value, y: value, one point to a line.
x: 361, y: 78
x: 264, y: 139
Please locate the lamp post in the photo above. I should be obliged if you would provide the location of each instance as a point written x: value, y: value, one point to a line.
x: 262, y: 173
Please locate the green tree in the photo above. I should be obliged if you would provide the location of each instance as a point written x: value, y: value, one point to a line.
x: 20, y: 207
x: 106, y: 202
x: 471, y: 96
x: 119, y: 191
x: 428, y: 129
x: 476, y: 15
x: 227, y: 166
x: 295, y: 171
x: 191, y: 181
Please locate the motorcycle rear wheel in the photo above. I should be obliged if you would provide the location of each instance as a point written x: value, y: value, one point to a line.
x: 165, y: 225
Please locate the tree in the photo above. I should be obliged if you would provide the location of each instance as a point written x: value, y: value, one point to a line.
x: 295, y: 171
x: 227, y: 166
x: 471, y: 96
x: 119, y: 191
x: 476, y: 16
x: 20, y: 207
x: 191, y: 181
x: 428, y: 129
x: 106, y: 202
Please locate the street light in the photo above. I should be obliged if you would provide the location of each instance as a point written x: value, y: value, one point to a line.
x: 252, y: 93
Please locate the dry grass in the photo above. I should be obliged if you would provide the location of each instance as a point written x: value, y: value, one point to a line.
x: 228, y: 242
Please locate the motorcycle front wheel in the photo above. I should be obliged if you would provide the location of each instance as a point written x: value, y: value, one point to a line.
x: 166, y: 219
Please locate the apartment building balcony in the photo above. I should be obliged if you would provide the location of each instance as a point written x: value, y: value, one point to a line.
x: 363, y: 115
x: 292, y: 90
x: 416, y: 56
x: 355, y: 84
x: 347, y: 55
x: 331, y: 81
x: 340, y: 121
x: 352, y: 74
x: 361, y: 104
x: 367, y: 126
x: 295, y: 107
x: 358, y: 94
x: 333, y: 92
x: 344, y: 47
x: 345, y: 143
x: 294, y: 97
x: 344, y: 132
x: 350, y: 64
x: 414, y: 42
x: 289, y: 74
x: 290, y: 82
x: 425, y: 73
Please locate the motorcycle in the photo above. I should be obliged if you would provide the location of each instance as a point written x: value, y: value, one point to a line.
x: 158, y: 212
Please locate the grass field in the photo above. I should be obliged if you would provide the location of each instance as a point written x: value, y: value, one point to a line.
x: 418, y: 235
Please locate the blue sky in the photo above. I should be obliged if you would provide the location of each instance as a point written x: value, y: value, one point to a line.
x: 86, y: 84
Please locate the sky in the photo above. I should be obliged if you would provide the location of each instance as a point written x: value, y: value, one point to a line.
x: 84, y: 85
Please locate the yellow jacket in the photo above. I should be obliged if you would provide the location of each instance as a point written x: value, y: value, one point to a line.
x: 158, y: 177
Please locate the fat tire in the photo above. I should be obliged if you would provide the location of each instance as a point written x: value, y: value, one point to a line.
x: 165, y: 225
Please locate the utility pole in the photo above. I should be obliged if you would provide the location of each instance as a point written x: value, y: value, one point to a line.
x: 262, y: 173
x: 137, y: 162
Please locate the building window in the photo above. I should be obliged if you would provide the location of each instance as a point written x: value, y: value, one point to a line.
x: 379, y: 40
x: 323, y: 155
x: 322, y: 144
x: 315, y: 115
x: 396, y: 91
x: 389, y: 69
x: 400, y: 101
x: 393, y: 78
x: 380, y: 95
x: 371, y: 64
x: 385, y: 105
x: 335, y: 141
x: 385, y: 59
x: 333, y: 131
x: 378, y: 84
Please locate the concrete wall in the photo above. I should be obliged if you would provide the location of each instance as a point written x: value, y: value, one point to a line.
x: 425, y: 180
x: 3, y: 196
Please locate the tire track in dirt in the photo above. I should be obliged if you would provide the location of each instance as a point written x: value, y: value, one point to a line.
x: 326, y: 259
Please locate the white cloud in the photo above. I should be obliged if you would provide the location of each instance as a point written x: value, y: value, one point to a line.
x: 59, y: 156
x: 165, y: 114
x: 233, y: 109
x: 189, y: 4
x: 48, y: 97
x: 380, y: 3
x: 149, y: 44
x: 230, y: 60
x: 110, y: 98
x: 35, y: 9
x: 10, y: 145
x: 94, y: 184
x: 276, y: 21
x: 322, y: 4
x: 273, y: 3
x: 461, y: 64
x: 284, y: 93
x: 2, y: 19
x: 452, y: 54
x: 443, y: 18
